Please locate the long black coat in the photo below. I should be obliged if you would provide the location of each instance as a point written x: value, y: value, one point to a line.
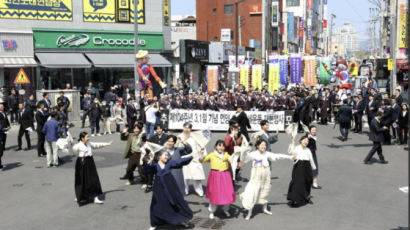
x: 376, y: 131
x: 41, y: 119
x: 344, y: 114
x: 26, y: 119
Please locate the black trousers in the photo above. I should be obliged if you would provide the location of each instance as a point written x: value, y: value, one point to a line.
x: 1, y: 151
x: 41, y: 138
x: 377, y: 147
x: 13, y: 116
x: 131, y: 122
x: 358, y: 122
x: 26, y: 134
x: 85, y: 115
x: 3, y: 138
x: 133, y: 163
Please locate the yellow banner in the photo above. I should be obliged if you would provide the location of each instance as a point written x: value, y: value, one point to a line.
x: 112, y: 11
x: 390, y: 64
x: 244, y: 76
x: 140, y: 10
x: 403, y: 38
x: 273, y: 77
x: 166, y: 12
x: 57, y: 10
x: 257, y: 77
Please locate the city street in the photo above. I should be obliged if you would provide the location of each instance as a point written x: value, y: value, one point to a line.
x: 354, y: 195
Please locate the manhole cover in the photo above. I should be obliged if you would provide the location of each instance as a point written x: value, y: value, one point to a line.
x: 207, y: 223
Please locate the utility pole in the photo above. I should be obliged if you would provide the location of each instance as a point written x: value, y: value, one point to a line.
x: 332, y: 16
x: 263, y: 36
x: 393, y: 44
x: 240, y: 31
x: 136, y: 76
x: 237, y: 31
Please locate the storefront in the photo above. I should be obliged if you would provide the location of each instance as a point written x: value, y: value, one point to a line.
x: 103, y: 57
x: 17, y: 60
x: 194, y: 55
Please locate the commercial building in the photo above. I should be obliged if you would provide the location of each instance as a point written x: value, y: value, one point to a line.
x: 347, y: 35
x: 66, y: 41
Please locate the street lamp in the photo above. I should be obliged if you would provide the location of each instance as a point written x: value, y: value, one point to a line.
x: 136, y: 76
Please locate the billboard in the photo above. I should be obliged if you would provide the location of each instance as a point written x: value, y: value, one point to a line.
x: 54, y: 10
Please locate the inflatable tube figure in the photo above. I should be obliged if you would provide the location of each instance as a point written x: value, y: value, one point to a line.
x: 144, y: 71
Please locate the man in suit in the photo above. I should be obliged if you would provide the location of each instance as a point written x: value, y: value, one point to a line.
x: 371, y: 109
x: 25, y: 120
x: 396, y: 112
x: 243, y: 121
x: 5, y: 124
x: 41, y: 118
x: 358, y: 108
x: 159, y: 138
x: 85, y: 105
x: 376, y: 135
x: 46, y: 101
x: 387, y: 120
x: 131, y: 113
x: 344, y: 116
x: 63, y: 101
x: 12, y: 105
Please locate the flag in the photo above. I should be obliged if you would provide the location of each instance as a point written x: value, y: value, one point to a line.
x: 283, y: 66
x: 310, y: 69
x: 257, y: 77
x: 295, y: 69
x: 244, y: 76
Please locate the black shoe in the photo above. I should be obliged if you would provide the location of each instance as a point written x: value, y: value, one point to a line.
x: 366, y: 162
x: 383, y: 162
x: 317, y: 187
x: 18, y: 149
x: 1, y: 166
x: 148, y: 189
x: 309, y: 201
x: 124, y: 178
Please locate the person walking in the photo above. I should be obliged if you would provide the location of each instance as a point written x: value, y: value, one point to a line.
x: 344, y: 116
x: 95, y: 113
x: 12, y: 105
x: 87, y: 184
x: 106, y: 115
x: 5, y: 124
x: 376, y: 135
x: 41, y: 118
x: 403, y: 121
x: 51, y: 129
x: 85, y: 106
x: 25, y: 119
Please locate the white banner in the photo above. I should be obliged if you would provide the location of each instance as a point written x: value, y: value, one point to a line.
x: 219, y: 120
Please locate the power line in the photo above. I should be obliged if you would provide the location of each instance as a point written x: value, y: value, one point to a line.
x: 354, y: 10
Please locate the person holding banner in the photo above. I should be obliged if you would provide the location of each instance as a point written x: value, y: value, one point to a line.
x: 259, y: 185
x: 219, y: 189
x: 193, y: 172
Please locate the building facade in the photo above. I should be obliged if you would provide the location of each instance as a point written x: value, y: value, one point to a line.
x: 347, y: 35
x: 80, y: 41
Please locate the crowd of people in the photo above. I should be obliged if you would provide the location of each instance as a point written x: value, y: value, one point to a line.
x: 169, y: 164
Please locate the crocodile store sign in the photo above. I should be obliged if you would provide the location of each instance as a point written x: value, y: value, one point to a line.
x: 96, y: 40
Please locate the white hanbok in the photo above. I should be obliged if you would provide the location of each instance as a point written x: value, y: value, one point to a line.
x: 259, y: 185
x: 194, y: 171
x: 238, y: 153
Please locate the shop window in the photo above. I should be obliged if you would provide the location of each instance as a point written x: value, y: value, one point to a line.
x: 228, y: 9
x: 214, y: 11
x: 215, y: 38
x: 292, y: 2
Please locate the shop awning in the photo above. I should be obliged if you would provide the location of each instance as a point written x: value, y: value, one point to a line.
x: 13, y: 62
x: 112, y: 60
x: 63, y: 60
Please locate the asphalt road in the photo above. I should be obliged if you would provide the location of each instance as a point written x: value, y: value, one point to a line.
x: 354, y: 195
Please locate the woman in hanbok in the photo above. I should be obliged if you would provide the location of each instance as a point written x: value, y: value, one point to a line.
x: 193, y: 172
x: 259, y: 185
x: 219, y: 189
x: 236, y: 145
x: 168, y: 206
x: 87, y: 183
x: 302, y: 179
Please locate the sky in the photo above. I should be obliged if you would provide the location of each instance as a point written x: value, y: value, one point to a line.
x: 354, y: 11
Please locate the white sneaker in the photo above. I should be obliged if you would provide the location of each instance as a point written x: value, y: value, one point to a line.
x: 99, y: 135
x: 92, y: 135
x: 105, y: 133
x: 267, y: 212
x: 98, y: 201
x: 75, y: 199
x: 143, y: 187
x: 211, y: 216
x: 152, y: 228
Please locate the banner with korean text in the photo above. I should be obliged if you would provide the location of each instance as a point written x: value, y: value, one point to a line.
x: 212, y: 76
x: 295, y: 69
x: 310, y: 70
x: 283, y: 72
x: 244, y: 76
x: 274, y: 77
x: 257, y: 77
x: 219, y: 120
